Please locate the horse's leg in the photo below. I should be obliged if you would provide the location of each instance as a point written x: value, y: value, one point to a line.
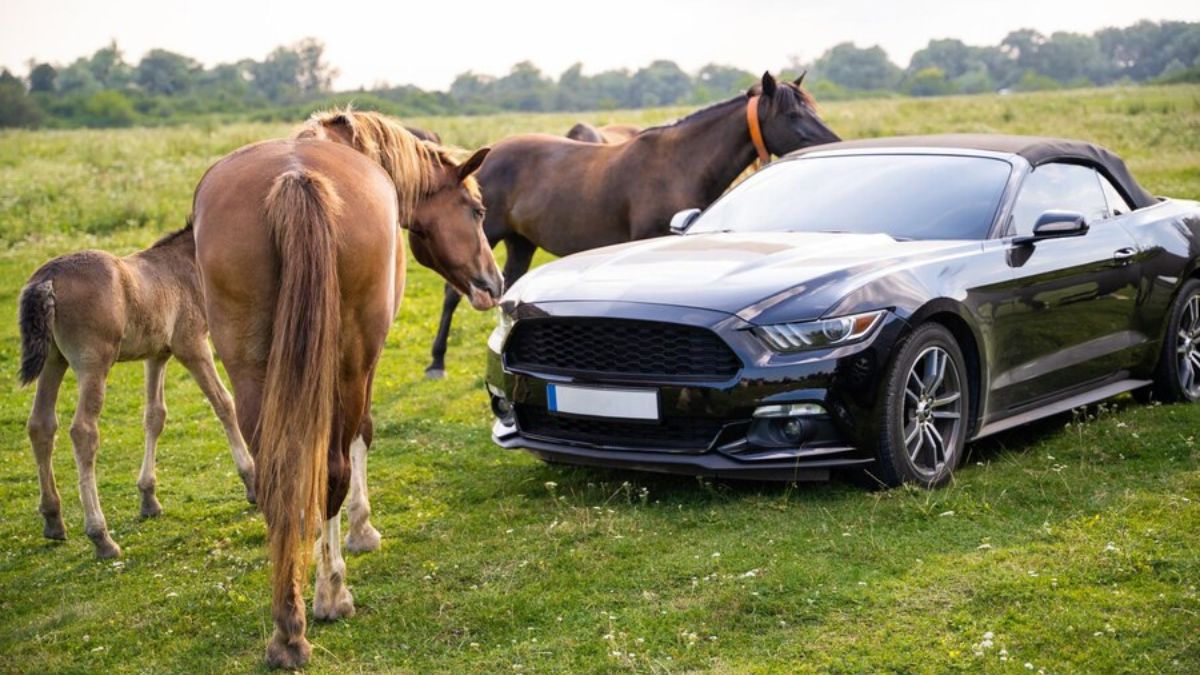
x: 520, y: 255
x: 331, y: 599
x: 43, y: 424
x: 85, y: 436
x: 363, y: 536
x: 198, y: 360
x: 154, y: 419
x: 437, y: 366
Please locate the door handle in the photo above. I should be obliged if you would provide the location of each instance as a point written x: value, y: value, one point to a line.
x: 1124, y: 255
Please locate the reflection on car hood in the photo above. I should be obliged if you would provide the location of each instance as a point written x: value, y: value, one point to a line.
x: 737, y: 273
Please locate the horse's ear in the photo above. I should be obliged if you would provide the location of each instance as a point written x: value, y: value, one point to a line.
x: 800, y: 80
x: 472, y: 164
x: 768, y: 84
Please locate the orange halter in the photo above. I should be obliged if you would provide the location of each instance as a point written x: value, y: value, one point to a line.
x: 756, y: 132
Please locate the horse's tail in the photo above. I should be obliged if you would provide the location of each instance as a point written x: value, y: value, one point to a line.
x: 299, y: 390
x: 36, y: 319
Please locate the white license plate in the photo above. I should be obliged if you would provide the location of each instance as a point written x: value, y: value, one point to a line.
x: 635, y: 404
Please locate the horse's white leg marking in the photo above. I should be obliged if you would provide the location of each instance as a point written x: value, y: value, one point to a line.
x: 362, y: 537
x: 332, y: 599
x: 85, y: 436
x: 154, y: 419
x: 205, y: 373
x: 43, y: 424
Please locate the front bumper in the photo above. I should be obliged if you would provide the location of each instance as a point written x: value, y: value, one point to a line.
x: 844, y: 381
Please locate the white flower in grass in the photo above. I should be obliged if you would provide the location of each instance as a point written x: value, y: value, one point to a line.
x: 1111, y: 548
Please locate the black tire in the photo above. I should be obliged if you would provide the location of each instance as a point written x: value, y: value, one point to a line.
x: 1177, y: 376
x: 909, y: 407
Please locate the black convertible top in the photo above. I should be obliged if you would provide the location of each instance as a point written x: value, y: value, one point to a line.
x: 1034, y: 149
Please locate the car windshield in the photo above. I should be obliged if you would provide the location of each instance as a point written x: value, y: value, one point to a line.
x: 904, y: 196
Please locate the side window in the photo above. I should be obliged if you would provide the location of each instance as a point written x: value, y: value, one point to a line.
x: 1117, y: 205
x: 1058, y: 187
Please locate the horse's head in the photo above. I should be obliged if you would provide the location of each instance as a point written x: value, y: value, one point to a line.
x: 440, y: 205
x: 788, y: 116
x: 446, y: 233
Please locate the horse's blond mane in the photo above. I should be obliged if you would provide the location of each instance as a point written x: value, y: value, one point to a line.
x: 418, y: 168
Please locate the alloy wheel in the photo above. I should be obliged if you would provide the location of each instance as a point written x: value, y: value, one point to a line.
x: 1187, y: 347
x: 933, y: 410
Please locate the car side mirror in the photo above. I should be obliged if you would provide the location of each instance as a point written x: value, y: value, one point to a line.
x: 1055, y: 225
x: 681, y: 221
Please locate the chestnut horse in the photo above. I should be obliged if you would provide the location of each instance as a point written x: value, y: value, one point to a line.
x: 609, y: 133
x: 565, y: 196
x: 303, y: 271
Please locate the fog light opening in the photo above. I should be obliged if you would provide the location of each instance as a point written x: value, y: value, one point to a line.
x: 793, y: 430
x: 502, y: 408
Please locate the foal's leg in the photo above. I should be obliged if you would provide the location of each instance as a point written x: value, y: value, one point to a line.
x: 363, y: 536
x: 43, y: 424
x: 437, y: 366
x: 85, y: 436
x: 154, y: 419
x: 199, y: 362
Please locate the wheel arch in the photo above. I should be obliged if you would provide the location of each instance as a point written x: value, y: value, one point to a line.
x: 953, y: 317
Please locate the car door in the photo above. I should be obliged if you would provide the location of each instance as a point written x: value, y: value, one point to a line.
x: 1069, y: 319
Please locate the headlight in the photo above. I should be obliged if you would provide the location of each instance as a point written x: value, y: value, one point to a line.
x: 794, y: 337
x: 504, y: 324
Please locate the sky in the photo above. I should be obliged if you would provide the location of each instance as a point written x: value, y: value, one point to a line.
x: 429, y: 42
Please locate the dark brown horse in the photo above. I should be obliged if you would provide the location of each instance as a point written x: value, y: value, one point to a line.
x: 303, y: 271
x: 431, y: 136
x: 609, y: 133
x: 565, y: 196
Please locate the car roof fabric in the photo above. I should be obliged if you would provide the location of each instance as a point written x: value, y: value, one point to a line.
x: 1036, y: 150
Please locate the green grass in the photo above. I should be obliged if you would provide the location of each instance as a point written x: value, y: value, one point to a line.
x: 1072, y: 542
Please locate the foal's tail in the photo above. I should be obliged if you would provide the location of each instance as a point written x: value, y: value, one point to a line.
x: 300, y: 386
x: 36, y: 318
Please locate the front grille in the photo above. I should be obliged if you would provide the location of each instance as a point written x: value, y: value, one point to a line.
x: 620, y: 347
x: 672, y: 433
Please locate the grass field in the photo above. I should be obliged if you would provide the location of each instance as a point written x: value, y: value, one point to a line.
x: 1067, y: 546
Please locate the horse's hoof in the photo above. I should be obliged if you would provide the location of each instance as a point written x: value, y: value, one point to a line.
x: 435, y: 373
x: 107, y: 549
x: 290, y: 656
x: 150, y: 507
x: 341, y: 607
x: 248, y: 480
x: 363, y: 541
x: 54, y: 529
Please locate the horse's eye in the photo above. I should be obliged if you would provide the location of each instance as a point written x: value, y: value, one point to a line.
x: 479, y: 212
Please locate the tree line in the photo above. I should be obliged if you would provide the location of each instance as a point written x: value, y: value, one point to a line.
x: 105, y: 90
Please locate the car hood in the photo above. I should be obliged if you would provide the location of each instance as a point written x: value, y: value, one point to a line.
x: 736, y: 273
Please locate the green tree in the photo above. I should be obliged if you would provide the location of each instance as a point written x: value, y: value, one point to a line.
x: 109, y: 109
x: 108, y: 67
x: 929, y: 81
x: 716, y: 81
x: 524, y: 88
x: 856, y: 68
x: 77, y: 78
x: 17, y: 108
x: 660, y: 83
x: 167, y: 73
x: 41, y: 78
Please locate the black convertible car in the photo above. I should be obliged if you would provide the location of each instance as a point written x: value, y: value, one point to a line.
x: 868, y: 304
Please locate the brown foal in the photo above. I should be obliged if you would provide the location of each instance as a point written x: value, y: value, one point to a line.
x: 89, y: 310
